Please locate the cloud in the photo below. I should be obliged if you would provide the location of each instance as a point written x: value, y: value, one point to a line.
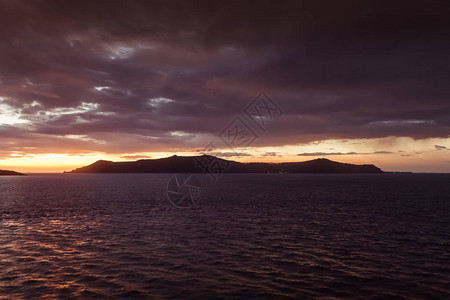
x: 270, y: 154
x: 230, y: 154
x: 135, y: 157
x: 144, y: 76
x: 340, y: 153
x: 438, y: 147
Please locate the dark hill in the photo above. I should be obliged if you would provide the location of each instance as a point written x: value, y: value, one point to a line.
x: 190, y: 164
x: 10, y: 173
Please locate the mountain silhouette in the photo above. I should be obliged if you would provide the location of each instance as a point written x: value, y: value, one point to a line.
x: 9, y: 173
x: 208, y: 163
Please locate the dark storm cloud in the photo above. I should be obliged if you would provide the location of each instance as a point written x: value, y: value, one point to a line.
x: 147, y: 69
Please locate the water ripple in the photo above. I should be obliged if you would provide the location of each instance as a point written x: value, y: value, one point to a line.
x: 253, y: 236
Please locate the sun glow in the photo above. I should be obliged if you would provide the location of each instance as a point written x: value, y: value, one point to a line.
x: 9, y: 115
x: 390, y: 154
x: 50, y: 162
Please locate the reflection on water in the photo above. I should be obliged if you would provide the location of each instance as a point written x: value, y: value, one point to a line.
x: 257, y: 236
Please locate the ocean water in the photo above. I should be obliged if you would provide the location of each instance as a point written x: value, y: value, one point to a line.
x: 249, y: 236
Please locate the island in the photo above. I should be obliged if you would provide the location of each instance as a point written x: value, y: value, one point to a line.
x: 208, y: 163
x: 10, y: 173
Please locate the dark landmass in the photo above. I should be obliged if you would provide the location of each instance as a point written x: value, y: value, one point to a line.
x: 201, y: 164
x: 10, y: 173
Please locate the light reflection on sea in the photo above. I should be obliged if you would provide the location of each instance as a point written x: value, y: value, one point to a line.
x: 252, y: 235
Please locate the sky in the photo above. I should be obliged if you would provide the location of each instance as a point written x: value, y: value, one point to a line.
x: 352, y: 81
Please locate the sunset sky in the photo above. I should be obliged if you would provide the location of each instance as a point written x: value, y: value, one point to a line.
x: 356, y: 81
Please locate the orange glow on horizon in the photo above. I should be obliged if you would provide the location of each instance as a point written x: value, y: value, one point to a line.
x: 416, y: 155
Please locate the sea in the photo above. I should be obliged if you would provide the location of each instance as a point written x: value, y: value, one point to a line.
x: 235, y: 236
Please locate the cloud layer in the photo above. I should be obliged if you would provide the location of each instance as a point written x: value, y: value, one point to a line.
x: 143, y: 76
